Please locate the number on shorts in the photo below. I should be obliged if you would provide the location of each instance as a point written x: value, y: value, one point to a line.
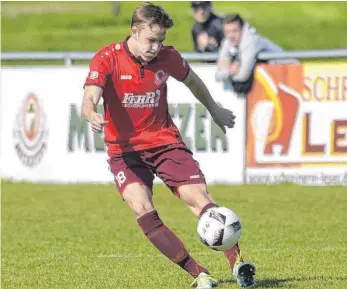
x: 120, y: 177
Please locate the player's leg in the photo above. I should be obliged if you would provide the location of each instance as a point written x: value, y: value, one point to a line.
x: 199, y: 201
x: 134, y: 182
x: 183, y: 176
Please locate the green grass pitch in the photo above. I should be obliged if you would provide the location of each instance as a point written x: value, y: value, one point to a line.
x: 84, y: 237
x: 52, y: 26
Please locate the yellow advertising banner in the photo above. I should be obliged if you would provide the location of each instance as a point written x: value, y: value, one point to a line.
x: 297, y: 117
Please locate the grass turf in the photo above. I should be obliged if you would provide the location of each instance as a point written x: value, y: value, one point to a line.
x: 51, y: 26
x: 84, y: 236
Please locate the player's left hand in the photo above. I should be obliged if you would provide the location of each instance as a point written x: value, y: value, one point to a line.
x: 223, y: 118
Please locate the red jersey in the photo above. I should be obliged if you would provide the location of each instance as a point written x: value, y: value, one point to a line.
x: 135, y: 96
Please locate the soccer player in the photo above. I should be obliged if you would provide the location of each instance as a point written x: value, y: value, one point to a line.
x: 141, y: 138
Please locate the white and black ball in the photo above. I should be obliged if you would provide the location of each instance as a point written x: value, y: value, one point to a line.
x: 219, y: 228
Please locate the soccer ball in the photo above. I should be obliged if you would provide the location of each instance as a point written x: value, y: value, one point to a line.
x: 219, y: 228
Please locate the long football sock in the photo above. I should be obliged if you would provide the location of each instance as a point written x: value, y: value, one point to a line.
x: 168, y: 243
x: 208, y: 206
x: 232, y: 254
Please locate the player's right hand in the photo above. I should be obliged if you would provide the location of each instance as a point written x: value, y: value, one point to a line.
x: 97, y: 121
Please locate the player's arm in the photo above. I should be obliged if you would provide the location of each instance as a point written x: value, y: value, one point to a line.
x: 221, y: 116
x: 91, y: 98
x: 100, y: 70
x: 181, y: 71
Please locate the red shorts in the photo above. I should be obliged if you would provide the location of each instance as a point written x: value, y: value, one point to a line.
x: 173, y: 163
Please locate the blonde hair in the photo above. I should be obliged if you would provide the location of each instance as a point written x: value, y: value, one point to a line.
x: 151, y: 14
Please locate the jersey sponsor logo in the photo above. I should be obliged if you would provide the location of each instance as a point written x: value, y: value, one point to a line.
x: 160, y: 77
x: 126, y: 77
x: 94, y: 75
x: 148, y: 99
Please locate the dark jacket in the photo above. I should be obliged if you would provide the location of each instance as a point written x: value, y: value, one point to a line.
x: 213, y: 27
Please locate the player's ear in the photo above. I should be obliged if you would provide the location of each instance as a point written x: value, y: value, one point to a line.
x: 134, y: 32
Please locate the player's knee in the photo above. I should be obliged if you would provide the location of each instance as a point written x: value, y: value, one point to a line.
x: 141, y: 209
x: 139, y: 199
x: 195, y: 196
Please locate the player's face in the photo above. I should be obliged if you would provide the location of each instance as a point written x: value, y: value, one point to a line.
x: 232, y: 31
x: 150, y: 41
x: 201, y: 13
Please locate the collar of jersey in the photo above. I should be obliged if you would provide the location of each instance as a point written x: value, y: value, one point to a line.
x: 137, y: 60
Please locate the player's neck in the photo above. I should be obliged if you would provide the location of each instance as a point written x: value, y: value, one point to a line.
x: 132, y: 47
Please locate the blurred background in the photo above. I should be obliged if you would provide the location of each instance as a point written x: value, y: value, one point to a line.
x: 87, y: 26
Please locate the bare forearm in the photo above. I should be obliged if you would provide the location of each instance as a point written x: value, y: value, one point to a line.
x: 221, y: 116
x: 91, y: 98
x: 200, y: 91
x: 88, y: 108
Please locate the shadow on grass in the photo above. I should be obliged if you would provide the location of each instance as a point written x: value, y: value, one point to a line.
x: 277, y: 283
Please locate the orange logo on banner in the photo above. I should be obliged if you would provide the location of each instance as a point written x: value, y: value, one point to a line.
x: 272, y: 109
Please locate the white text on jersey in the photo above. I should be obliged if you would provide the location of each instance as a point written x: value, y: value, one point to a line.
x: 149, y: 99
x: 126, y: 77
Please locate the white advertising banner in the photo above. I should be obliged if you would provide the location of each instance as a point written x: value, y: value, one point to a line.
x: 44, y: 138
x: 297, y: 125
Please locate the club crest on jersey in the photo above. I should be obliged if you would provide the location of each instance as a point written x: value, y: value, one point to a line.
x: 148, y: 99
x: 160, y: 77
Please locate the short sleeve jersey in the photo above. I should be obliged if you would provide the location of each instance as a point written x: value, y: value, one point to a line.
x: 135, y: 96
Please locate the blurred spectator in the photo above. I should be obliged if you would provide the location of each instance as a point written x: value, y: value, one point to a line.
x: 207, y: 31
x: 239, y: 51
x: 116, y: 8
